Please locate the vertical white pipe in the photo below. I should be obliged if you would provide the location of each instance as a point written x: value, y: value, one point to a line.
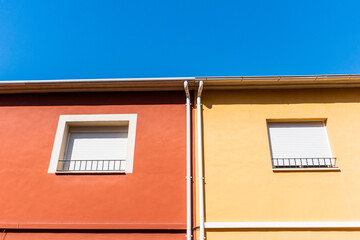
x: 200, y: 163
x: 188, y: 163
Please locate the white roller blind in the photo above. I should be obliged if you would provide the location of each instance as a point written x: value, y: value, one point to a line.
x: 299, y: 140
x: 97, y: 145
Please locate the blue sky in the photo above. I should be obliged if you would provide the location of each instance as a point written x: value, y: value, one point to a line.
x: 116, y: 39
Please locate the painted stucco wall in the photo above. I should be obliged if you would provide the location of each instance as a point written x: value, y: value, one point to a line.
x: 240, y: 185
x: 88, y: 236
x: 152, y: 197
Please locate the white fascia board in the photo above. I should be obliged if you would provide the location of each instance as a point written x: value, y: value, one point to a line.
x: 273, y: 225
x: 98, y: 80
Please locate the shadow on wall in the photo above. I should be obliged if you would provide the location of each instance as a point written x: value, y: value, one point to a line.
x: 288, y: 96
x: 93, y: 98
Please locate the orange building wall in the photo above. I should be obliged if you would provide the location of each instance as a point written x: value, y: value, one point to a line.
x: 88, y: 236
x: 152, y: 197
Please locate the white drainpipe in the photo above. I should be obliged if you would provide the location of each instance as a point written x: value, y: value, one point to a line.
x: 188, y: 163
x: 200, y: 159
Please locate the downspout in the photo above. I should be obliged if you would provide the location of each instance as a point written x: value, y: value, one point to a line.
x: 200, y: 163
x: 188, y: 163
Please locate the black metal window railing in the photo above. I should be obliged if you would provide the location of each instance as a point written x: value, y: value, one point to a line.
x: 303, y: 162
x: 116, y: 165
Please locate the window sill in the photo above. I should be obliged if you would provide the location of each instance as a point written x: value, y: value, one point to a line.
x: 334, y: 169
x: 88, y: 172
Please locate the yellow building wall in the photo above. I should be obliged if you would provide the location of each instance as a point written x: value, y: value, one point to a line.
x: 240, y: 185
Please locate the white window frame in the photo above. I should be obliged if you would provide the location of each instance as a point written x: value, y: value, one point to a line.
x: 92, y: 120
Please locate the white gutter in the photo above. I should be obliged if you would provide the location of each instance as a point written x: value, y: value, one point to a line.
x: 96, y: 85
x: 200, y: 163
x: 188, y: 162
x: 95, y: 80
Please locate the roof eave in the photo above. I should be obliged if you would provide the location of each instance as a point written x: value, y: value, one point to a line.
x: 282, y: 82
x: 96, y: 85
x: 177, y: 84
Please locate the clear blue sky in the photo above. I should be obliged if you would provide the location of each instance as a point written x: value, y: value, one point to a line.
x: 114, y: 39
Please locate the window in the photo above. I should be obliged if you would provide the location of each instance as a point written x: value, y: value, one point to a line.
x: 95, y: 149
x: 94, y: 144
x: 300, y: 145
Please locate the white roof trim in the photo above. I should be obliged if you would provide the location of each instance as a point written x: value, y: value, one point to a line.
x: 260, y: 225
x: 98, y: 80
